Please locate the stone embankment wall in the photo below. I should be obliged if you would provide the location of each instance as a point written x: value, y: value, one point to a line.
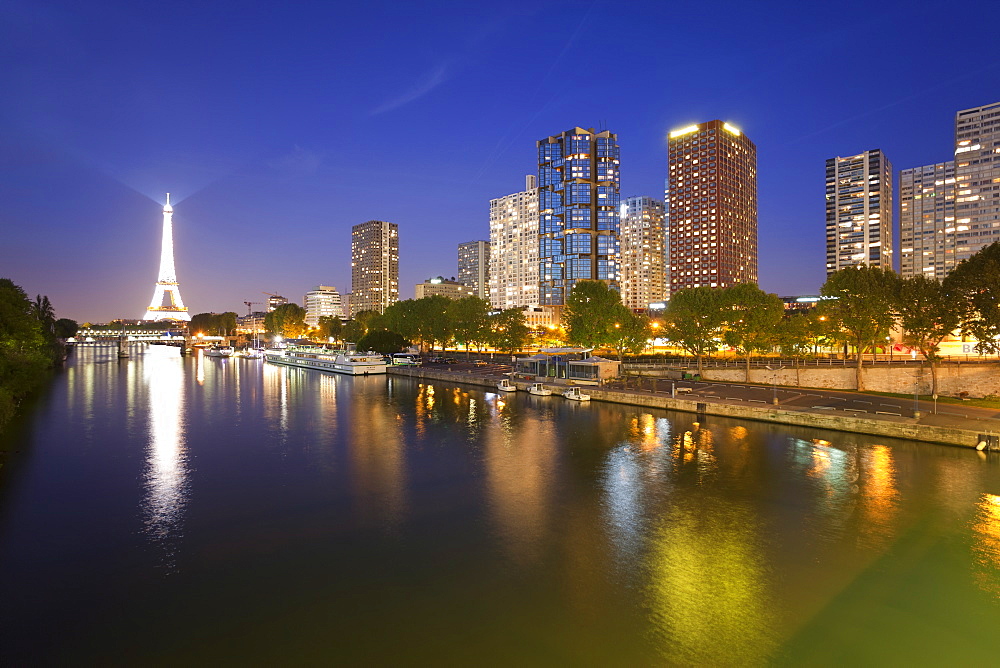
x: 978, y: 380
x: 889, y: 426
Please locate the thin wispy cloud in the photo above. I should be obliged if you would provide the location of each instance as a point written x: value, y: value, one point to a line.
x: 425, y: 84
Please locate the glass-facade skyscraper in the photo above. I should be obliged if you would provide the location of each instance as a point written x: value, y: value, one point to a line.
x: 578, y: 200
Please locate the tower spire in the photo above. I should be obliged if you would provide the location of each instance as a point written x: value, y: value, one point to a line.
x: 167, y: 281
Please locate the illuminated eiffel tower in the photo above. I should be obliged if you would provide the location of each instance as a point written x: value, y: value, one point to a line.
x: 167, y: 282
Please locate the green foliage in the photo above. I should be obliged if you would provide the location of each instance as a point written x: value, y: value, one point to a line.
x: 594, y: 315
x: 330, y: 327
x: 694, y: 318
x: 287, y: 320
x: 213, y: 324
x: 861, y: 308
x: 470, y: 320
x: 382, y: 341
x: 975, y: 285
x: 927, y: 314
x: 752, y: 320
x: 631, y: 334
x: 508, y: 330
x: 28, y: 347
x: 66, y: 328
x: 424, y: 320
x: 798, y: 332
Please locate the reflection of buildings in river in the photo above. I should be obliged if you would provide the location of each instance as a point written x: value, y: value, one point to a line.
x: 709, y: 594
x: 986, y: 544
x: 519, y: 457
x: 635, y: 475
x: 166, y: 461
x: 696, y: 446
x: 854, y: 486
x: 275, y: 382
x: 378, y: 455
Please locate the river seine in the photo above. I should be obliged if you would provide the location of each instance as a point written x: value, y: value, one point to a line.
x: 172, y: 511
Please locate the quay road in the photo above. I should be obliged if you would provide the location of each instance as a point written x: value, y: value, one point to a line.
x: 832, y: 402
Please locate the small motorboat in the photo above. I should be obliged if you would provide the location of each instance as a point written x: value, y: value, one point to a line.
x: 220, y: 351
x: 253, y: 353
x: 506, y: 386
x: 575, y: 394
x: 539, y: 389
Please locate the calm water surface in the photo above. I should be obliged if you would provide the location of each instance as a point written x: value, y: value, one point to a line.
x: 165, y: 510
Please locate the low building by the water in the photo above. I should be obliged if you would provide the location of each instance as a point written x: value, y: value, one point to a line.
x: 572, y: 365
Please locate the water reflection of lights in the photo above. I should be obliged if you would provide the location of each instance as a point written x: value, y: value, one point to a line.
x: 166, y: 460
x: 708, y: 588
x: 986, y: 544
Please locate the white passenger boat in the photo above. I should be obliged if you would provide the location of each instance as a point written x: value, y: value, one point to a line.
x: 575, y: 394
x: 220, y: 351
x: 325, y: 359
x: 506, y: 386
x: 252, y: 353
x: 539, y: 389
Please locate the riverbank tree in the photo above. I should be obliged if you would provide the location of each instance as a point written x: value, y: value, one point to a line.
x: 861, y: 306
x: 975, y: 285
x: 28, y: 346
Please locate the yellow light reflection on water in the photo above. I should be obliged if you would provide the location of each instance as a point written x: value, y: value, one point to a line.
x: 986, y: 544
x: 708, y: 590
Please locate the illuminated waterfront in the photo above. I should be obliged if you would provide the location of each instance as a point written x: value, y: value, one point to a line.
x: 173, y: 510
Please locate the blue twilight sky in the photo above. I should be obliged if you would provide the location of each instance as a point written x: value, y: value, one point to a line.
x: 277, y: 126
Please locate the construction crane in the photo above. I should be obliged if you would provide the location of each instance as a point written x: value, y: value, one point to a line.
x: 250, y: 306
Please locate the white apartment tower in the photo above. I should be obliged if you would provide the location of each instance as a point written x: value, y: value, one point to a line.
x: 513, y: 273
x: 374, y: 266
x: 474, y: 266
x: 643, y: 255
x: 928, y: 233
x: 977, y: 179
x: 323, y: 300
x: 858, y: 211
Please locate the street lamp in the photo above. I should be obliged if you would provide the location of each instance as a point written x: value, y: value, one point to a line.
x: 774, y: 383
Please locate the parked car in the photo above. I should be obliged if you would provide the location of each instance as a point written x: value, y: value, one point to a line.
x: 480, y: 363
x: 450, y: 360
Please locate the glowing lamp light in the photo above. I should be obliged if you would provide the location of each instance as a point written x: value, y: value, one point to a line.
x: 684, y: 131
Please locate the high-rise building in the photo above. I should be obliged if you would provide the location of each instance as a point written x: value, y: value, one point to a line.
x: 474, y: 266
x: 643, y: 252
x: 374, y: 266
x: 928, y: 234
x: 711, y: 207
x: 274, y: 301
x: 323, y: 300
x: 578, y: 199
x: 858, y: 211
x: 977, y: 178
x: 513, y: 274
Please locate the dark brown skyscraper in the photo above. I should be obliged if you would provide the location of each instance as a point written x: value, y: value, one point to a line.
x: 711, y: 207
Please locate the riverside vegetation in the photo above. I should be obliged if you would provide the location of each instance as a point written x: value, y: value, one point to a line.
x: 29, y: 345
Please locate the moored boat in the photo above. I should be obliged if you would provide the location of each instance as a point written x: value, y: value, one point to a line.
x: 220, y: 351
x: 575, y: 394
x: 506, y: 386
x: 539, y: 389
x: 325, y: 359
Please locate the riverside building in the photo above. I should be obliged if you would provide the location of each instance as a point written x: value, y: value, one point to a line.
x: 928, y: 233
x: 323, y: 300
x: 643, y: 252
x: 977, y: 179
x: 858, y: 211
x: 439, y: 285
x: 513, y: 260
x: 474, y: 266
x: 578, y: 200
x: 711, y: 207
x: 374, y: 266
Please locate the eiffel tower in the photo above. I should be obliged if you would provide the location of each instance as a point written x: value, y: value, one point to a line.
x: 167, y: 282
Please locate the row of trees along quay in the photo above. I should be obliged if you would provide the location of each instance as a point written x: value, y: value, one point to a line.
x: 30, y: 344
x: 861, y: 306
